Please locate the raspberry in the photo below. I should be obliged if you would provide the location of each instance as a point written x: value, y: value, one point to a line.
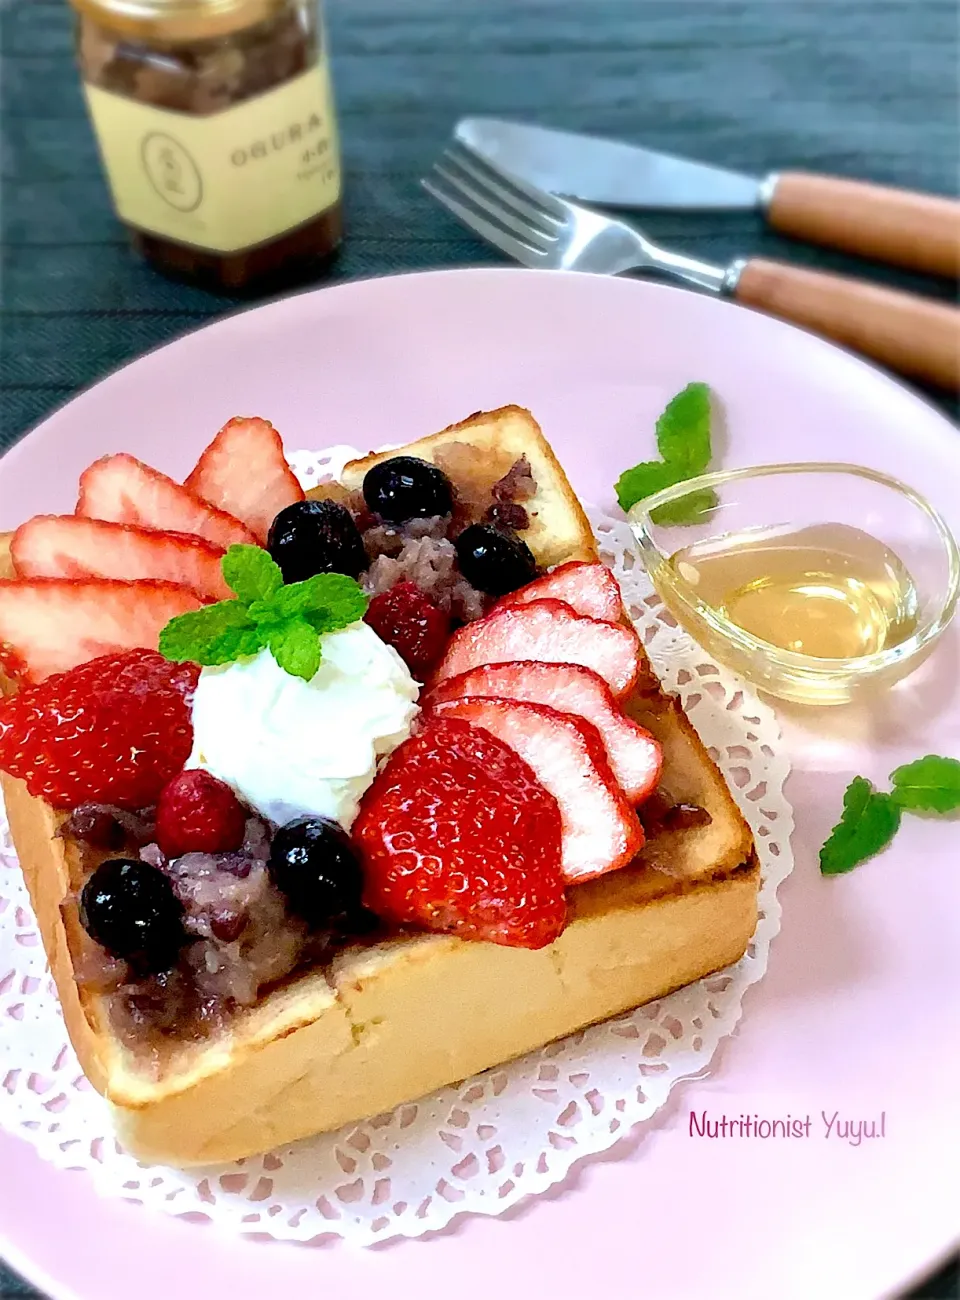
x: 197, y: 813
x: 457, y: 834
x: 112, y: 731
x: 406, y: 618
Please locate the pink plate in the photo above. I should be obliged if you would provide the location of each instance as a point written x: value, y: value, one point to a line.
x: 859, y: 1009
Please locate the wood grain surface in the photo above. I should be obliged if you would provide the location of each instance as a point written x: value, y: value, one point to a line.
x: 857, y: 88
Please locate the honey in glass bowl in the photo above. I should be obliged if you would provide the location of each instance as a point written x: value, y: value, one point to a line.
x: 827, y: 590
x: 813, y: 581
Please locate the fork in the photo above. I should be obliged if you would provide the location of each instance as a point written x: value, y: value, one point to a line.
x: 913, y: 335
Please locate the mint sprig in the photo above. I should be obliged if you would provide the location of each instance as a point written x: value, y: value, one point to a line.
x: 288, y: 620
x: 871, y: 817
x: 684, y: 443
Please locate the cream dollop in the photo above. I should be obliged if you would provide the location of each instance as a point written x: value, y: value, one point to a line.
x: 294, y: 748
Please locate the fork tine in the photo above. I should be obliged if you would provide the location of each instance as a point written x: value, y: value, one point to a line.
x: 496, y: 235
x: 494, y: 182
x: 548, y: 203
x: 533, y: 235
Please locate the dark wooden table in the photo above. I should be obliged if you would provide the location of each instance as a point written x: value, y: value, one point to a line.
x: 859, y: 88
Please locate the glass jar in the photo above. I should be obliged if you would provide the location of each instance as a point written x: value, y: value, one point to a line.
x: 216, y: 127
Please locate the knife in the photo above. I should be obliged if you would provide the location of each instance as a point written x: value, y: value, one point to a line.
x: 902, y: 227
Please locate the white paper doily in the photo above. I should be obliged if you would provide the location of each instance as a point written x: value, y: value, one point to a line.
x: 477, y: 1148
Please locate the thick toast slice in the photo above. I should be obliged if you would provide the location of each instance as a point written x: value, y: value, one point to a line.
x: 389, y: 1022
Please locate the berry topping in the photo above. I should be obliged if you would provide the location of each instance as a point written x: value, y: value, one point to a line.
x: 50, y: 625
x: 457, y: 834
x: 198, y: 813
x: 494, y: 559
x: 589, y: 589
x: 634, y: 756
x: 245, y: 473
x: 129, y: 908
x: 547, y: 630
x: 406, y: 487
x: 408, y: 620
x: 316, y: 537
x: 114, y: 730
x: 313, y: 864
x: 123, y: 490
x: 66, y: 546
x: 600, y: 829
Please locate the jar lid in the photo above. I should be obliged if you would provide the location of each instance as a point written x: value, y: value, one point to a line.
x: 177, y: 20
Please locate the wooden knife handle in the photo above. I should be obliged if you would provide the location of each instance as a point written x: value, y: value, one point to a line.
x: 921, y: 231
x: 913, y: 335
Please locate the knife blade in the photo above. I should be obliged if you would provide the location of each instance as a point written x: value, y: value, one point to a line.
x: 919, y: 231
x: 607, y: 172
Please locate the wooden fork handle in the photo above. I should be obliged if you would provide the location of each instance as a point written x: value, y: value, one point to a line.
x: 913, y: 335
x: 920, y: 231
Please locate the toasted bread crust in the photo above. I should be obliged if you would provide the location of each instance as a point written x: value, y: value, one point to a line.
x: 332, y: 1046
x: 43, y: 861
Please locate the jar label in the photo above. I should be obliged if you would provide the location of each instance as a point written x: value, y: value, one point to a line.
x: 228, y: 181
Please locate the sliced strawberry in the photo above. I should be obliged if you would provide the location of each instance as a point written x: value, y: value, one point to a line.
x: 634, y: 756
x: 66, y: 546
x: 122, y: 490
x: 245, y: 472
x: 550, y: 631
x: 589, y: 589
x: 601, y: 831
x: 458, y: 835
x: 49, y: 625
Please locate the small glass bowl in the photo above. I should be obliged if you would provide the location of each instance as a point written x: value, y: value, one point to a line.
x: 790, y: 497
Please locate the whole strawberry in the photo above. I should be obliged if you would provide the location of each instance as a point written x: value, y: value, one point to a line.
x: 114, y: 730
x: 197, y: 813
x: 406, y: 618
x: 457, y: 834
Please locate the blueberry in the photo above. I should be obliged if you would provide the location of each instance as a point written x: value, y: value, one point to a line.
x: 406, y: 487
x: 129, y: 908
x: 494, y: 559
x: 316, y: 537
x: 313, y: 864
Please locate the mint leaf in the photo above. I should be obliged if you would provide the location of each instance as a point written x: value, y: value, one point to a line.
x: 329, y: 600
x: 691, y: 509
x: 296, y: 647
x: 683, y: 437
x: 930, y: 784
x: 683, y: 431
x: 653, y: 476
x: 252, y: 573
x: 263, y: 612
x: 215, y: 634
x: 235, y: 643
x: 644, y: 479
x: 868, y: 824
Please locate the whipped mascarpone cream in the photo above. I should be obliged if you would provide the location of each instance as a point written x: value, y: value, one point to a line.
x: 293, y: 748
